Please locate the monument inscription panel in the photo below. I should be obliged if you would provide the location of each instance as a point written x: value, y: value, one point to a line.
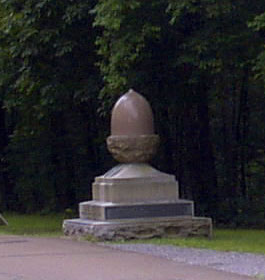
x: 149, y: 211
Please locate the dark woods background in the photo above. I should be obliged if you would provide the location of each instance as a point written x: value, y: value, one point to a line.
x: 201, y: 64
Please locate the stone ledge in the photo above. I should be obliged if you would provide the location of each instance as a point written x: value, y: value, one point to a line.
x: 139, y: 228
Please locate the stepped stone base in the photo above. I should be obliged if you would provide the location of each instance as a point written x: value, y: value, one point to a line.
x: 139, y: 228
x: 136, y: 201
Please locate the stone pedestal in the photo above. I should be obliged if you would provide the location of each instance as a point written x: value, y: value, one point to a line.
x: 136, y: 201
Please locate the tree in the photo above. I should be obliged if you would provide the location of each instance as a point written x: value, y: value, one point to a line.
x: 50, y: 89
x: 190, y: 60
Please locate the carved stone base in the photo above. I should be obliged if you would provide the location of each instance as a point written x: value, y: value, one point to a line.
x: 128, y: 149
x: 139, y: 228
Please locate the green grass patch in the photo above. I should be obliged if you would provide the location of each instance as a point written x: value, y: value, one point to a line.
x: 252, y: 241
x: 34, y: 225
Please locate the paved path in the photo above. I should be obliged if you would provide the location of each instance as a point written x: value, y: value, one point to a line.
x: 23, y: 258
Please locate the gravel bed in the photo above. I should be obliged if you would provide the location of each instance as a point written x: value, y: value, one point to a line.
x: 240, y: 263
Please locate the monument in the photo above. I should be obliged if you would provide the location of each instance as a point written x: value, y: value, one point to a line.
x: 133, y: 199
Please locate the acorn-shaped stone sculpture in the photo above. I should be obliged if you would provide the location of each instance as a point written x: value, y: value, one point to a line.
x: 132, y: 137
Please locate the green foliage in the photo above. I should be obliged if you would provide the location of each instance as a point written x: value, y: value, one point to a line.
x: 258, y: 24
x: 46, y: 43
x: 120, y: 52
x: 49, y: 85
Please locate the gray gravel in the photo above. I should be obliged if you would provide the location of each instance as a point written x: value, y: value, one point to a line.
x: 240, y: 263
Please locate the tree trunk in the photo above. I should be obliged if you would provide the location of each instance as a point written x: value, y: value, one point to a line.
x: 208, y: 175
x: 4, y: 182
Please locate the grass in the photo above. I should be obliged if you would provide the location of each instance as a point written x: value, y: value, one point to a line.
x: 32, y: 225
x: 252, y: 241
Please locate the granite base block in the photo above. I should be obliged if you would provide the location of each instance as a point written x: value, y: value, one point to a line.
x: 139, y: 228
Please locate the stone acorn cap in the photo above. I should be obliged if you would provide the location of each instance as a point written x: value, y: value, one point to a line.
x: 132, y: 115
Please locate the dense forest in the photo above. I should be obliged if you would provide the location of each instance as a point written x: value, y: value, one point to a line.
x: 200, y: 63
